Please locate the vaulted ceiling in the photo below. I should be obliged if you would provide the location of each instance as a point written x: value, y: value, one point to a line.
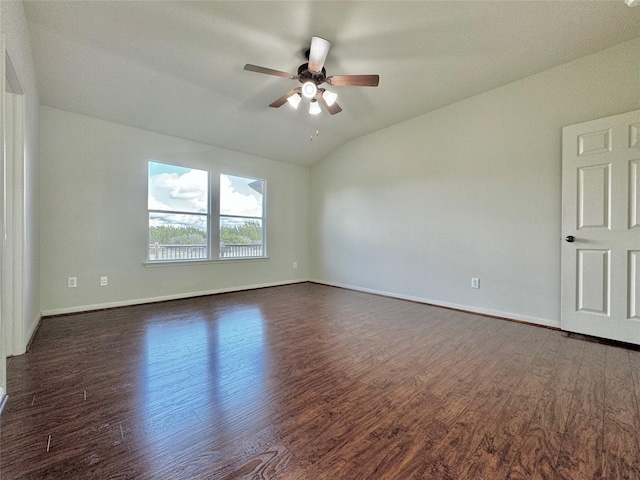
x: 177, y: 67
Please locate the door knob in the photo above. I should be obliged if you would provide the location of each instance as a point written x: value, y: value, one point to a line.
x: 570, y: 239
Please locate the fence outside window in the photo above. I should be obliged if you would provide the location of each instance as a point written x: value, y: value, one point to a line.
x: 159, y: 252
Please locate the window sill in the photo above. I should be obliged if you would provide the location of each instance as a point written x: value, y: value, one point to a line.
x: 183, y: 263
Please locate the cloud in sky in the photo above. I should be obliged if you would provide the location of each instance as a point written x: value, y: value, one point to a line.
x: 178, y: 220
x: 234, y: 202
x: 187, y: 192
x: 155, y: 204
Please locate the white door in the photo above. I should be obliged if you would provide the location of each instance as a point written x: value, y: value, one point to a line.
x: 601, y: 228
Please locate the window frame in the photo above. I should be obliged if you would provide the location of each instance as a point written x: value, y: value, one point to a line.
x: 207, y: 216
x: 213, y: 219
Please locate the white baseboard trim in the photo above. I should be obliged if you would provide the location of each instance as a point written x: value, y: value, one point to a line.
x: 466, y: 308
x: 178, y: 296
x: 32, y: 332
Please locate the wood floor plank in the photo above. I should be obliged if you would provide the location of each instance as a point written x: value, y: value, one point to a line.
x: 581, y: 453
x: 536, y: 457
x: 621, y: 423
x: 377, y: 395
x: 634, y: 367
x: 313, y: 382
x: 442, y: 433
x: 502, y: 440
x: 477, y: 409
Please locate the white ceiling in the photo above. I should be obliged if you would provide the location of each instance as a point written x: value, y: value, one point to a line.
x: 177, y: 67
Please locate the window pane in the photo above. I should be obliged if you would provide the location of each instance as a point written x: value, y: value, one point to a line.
x: 178, y: 189
x: 177, y: 236
x: 240, y: 237
x: 241, y: 196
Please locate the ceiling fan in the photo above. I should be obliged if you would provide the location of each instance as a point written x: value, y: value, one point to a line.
x: 313, y: 74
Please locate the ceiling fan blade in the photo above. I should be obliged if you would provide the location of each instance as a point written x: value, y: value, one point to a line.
x: 333, y: 109
x: 269, y: 71
x: 283, y: 99
x: 353, y: 80
x: 318, y: 53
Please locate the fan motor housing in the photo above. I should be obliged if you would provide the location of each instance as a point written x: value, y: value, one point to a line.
x: 304, y: 75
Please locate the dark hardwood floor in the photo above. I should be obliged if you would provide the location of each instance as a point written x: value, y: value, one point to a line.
x: 314, y: 382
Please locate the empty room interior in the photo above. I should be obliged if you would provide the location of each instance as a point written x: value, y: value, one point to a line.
x: 320, y: 240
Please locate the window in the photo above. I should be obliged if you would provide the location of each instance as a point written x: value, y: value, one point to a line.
x: 182, y: 226
x: 241, y: 217
x: 178, y: 213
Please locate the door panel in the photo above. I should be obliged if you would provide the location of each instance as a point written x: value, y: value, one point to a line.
x: 594, y: 142
x: 594, y: 202
x: 593, y: 281
x: 634, y: 194
x: 634, y: 135
x: 601, y: 210
x: 634, y: 285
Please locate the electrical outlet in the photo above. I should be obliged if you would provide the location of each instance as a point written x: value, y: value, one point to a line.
x: 475, y: 282
x: 295, y: 264
x: 72, y: 282
x: 103, y: 281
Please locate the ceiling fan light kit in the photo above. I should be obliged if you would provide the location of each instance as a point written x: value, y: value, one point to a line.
x: 314, y: 107
x: 329, y: 97
x: 313, y: 74
x: 309, y: 89
x: 294, y: 100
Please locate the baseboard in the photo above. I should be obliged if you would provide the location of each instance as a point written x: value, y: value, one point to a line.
x: 32, y: 332
x: 427, y: 301
x: 455, y: 306
x: 164, y: 298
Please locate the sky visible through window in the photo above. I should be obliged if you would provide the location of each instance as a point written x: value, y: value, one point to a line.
x: 178, y: 189
x: 239, y: 196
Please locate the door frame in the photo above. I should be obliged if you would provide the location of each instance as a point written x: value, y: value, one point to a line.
x: 3, y: 222
x: 12, y: 211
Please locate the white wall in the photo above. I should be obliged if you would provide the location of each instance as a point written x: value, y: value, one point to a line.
x: 94, y: 216
x: 470, y: 190
x: 14, y: 26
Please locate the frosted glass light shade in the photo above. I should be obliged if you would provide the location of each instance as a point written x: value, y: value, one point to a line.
x: 294, y: 100
x: 329, y: 97
x: 314, y: 107
x: 309, y: 89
